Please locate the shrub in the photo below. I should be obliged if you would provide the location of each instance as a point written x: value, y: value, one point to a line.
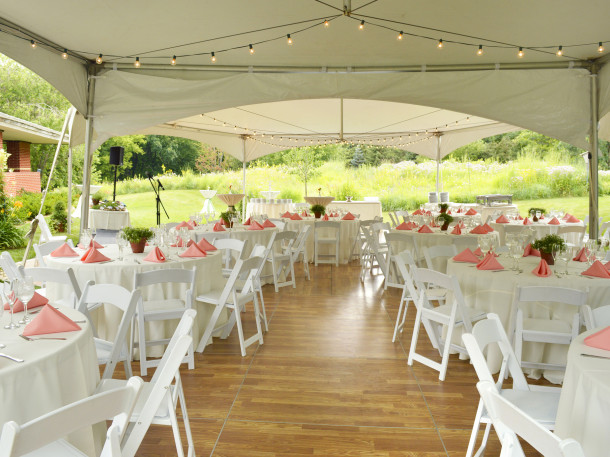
x: 59, y: 218
x: 11, y: 236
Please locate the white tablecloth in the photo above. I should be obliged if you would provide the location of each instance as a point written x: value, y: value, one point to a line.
x: 541, y: 229
x: 273, y: 210
x: 108, y: 220
x: 584, y: 406
x: 209, y: 274
x: 493, y: 292
x: 366, y: 210
x: 54, y: 374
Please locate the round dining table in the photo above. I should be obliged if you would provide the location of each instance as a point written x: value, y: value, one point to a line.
x: 584, y: 405
x: 54, y: 373
x: 540, y: 228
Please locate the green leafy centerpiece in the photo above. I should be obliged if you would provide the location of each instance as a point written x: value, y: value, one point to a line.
x: 318, y: 210
x: 137, y: 237
x: 444, y: 207
x: 447, y: 219
x: 227, y: 216
x: 548, y: 247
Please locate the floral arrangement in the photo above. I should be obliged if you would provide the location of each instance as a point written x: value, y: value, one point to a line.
x: 318, y: 209
x: 107, y: 205
x: 549, y: 244
x: 137, y: 234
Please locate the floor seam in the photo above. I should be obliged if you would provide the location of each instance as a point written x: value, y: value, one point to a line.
x: 323, y: 424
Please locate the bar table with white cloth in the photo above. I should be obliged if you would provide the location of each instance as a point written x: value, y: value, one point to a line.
x: 54, y: 374
x: 108, y: 220
x: 584, y: 405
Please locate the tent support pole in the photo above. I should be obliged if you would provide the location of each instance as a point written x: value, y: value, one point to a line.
x: 69, y: 205
x: 84, y: 211
x: 593, y: 160
x: 243, y: 206
x: 438, y: 163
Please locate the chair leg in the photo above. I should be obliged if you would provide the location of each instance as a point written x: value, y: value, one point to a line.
x: 240, y: 330
x: 475, y: 430
x: 306, y: 264
x: 142, y: 345
x: 207, y: 334
x: 415, y: 335
x: 187, y: 423
x: 446, y: 349
x: 294, y: 283
x: 257, y: 319
x: 174, y: 421
x: 402, y: 316
x: 260, y: 292
x: 128, y: 372
x: 275, y: 274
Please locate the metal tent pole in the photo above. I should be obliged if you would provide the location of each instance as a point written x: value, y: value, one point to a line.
x: 88, y: 159
x: 438, y: 162
x: 243, y: 206
x: 593, y: 160
x: 69, y: 205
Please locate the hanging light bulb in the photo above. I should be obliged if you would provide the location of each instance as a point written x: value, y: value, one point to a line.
x: 600, y: 47
x: 99, y: 60
x: 520, y: 53
x: 137, y: 63
x: 361, y: 26
x: 399, y: 37
x: 33, y: 44
x: 64, y: 54
x: 560, y: 51
x: 440, y: 44
x: 480, y: 50
x: 289, y: 39
x: 251, y: 49
x: 173, y: 61
x: 213, y: 57
x: 326, y: 23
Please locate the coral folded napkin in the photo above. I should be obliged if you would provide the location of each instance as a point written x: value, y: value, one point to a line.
x: 94, y: 256
x: 218, y: 227
x: 572, y: 219
x: 425, y: 229
x: 526, y: 221
x: 478, y: 252
x: 581, y: 256
x: 348, y: 217
x: 502, y: 220
x: 554, y: 221
x: 287, y: 214
x: 529, y: 250
x: 180, y: 243
x: 36, y: 301
x: 255, y: 226
x: 599, y: 340
x: 598, y: 270
x: 296, y: 217
x: 193, y: 251
x: 247, y: 222
x: 478, y: 230
x: 92, y: 243
x: 64, y: 251
x: 403, y: 226
x: 268, y: 224
x: 520, y: 217
x: 466, y: 256
x: 488, y: 228
x: 418, y: 212
x: 50, y: 320
x: 205, y: 245
x: 325, y: 217
x: 489, y: 262
x: 156, y: 255
x: 542, y: 270
x: 470, y: 212
x: 184, y: 225
x: 456, y: 230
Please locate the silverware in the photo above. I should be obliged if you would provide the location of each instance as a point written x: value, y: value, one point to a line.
x: 596, y: 356
x: 14, y: 359
x: 40, y: 338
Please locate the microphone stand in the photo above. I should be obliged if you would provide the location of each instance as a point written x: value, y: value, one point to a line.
x: 160, y: 205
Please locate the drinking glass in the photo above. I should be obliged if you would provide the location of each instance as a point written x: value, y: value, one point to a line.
x: 25, y: 292
x: 565, y: 255
x: 483, y: 243
x: 515, y: 252
x: 590, y: 249
x: 86, y: 238
x: 122, y: 243
x: 9, y: 292
x: 538, y: 214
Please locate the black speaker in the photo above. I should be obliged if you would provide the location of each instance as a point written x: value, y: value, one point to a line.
x: 116, y: 155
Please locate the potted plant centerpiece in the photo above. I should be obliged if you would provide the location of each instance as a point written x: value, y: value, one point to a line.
x: 548, y: 246
x: 227, y: 216
x: 97, y: 197
x: 318, y: 210
x: 447, y: 219
x: 533, y: 211
x: 137, y: 237
x: 444, y: 207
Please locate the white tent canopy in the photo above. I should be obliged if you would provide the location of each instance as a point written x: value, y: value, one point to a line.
x: 553, y: 95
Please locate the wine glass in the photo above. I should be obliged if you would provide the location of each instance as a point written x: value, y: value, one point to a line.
x: 538, y: 214
x: 25, y: 292
x: 9, y: 294
x: 590, y: 248
x: 122, y: 243
x: 515, y: 252
x: 483, y: 243
x: 565, y: 255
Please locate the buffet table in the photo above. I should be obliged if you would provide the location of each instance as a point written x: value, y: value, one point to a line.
x: 584, y: 405
x: 366, y: 210
x: 54, y: 374
x: 108, y: 220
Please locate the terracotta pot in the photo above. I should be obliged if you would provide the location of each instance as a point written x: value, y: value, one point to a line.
x: 443, y: 210
x: 445, y: 226
x: 95, y: 201
x: 318, y: 214
x: 548, y: 257
x: 138, y: 247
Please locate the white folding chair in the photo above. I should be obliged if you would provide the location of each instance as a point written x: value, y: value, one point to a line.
x: 326, y: 233
x: 403, y: 214
x: 160, y: 397
x: 232, y: 250
x: 45, y: 249
x: 281, y: 259
x: 45, y: 232
x: 405, y: 263
x: 604, y: 230
x: 537, y: 330
x: 572, y: 235
x: 162, y: 309
x: 597, y: 317
x: 262, y: 252
x: 299, y: 248
x: 392, y: 219
x: 47, y: 275
x: 392, y: 278
x: 538, y: 401
x: 231, y: 297
x: 110, y: 353
x: 360, y: 241
x: 279, y: 223
x: 437, y: 257
x: 453, y: 315
x: 8, y: 265
x: 510, y: 421
x: 44, y: 435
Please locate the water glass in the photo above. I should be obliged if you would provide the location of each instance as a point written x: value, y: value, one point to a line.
x: 9, y: 294
x: 25, y: 292
x: 565, y: 255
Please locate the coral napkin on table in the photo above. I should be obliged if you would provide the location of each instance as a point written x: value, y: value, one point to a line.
x: 268, y: 224
x: 348, y: 217
x: 520, y: 217
x: 554, y: 221
x: 529, y: 250
x: 325, y: 217
x: 287, y: 214
x: 425, y: 229
x: 64, y: 251
x: 598, y: 270
x: 218, y: 227
x: 599, y: 340
x: 193, y: 251
x: 156, y: 255
x: 466, y: 256
x: 470, y: 212
x: 478, y: 230
x: 36, y: 301
x: 526, y: 221
x: 489, y: 262
x: 255, y: 226
x: 205, y: 245
x: 94, y: 256
x: 184, y: 225
x: 418, y: 212
x: 488, y: 228
x: 478, y: 252
x: 542, y: 270
x: 572, y: 219
x: 92, y: 244
x: 50, y: 320
x: 456, y: 230
x: 296, y: 217
x: 502, y: 220
x: 247, y: 222
x: 581, y: 256
x: 403, y: 226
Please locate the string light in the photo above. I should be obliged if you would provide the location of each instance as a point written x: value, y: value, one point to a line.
x: 399, y: 37
x: 361, y: 26
x: 520, y: 53
x: 289, y: 39
x: 560, y: 51
x: 440, y: 44
x: 137, y: 63
x: 64, y: 54
x: 600, y: 47
x: 326, y: 23
x: 480, y: 51
x: 99, y: 60
x: 251, y: 49
x: 173, y: 62
x: 213, y: 58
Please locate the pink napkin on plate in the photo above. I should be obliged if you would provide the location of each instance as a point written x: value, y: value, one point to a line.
x: 180, y: 243
x: 218, y: 227
x: 599, y: 340
x: 566, y: 216
x: 287, y: 214
x: 502, y: 220
x: 478, y: 252
x: 247, y: 222
x: 36, y: 301
x: 296, y: 217
x: 456, y: 230
x: 529, y: 250
x: 489, y: 262
x: 526, y: 221
x: 598, y: 270
x: 193, y: 251
x: 466, y: 256
x: 64, y: 251
x: 488, y: 228
x: 572, y: 219
x: 471, y: 212
x: 94, y: 256
x: 50, y: 320
x: 542, y: 270
x: 156, y: 255
x: 520, y: 217
x: 268, y: 224
x: 255, y: 226
x: 205, y: 245
x: 325, y: 217
x: 425, y: 229
x: 478, y: 230
x: 184, y: 225
x: 92, y: 243
x: 348, y: 217
x: 581, y: 256
x: 554, y: 221
x: 403, y: 226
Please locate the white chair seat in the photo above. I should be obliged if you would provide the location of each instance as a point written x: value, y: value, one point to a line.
x: 327, y: 240
x: 445, y: 310
x: 153, y: 306
x: 162, y: 411
x: 104, y: 348
x: 213, y: 296
x: 547, y: 325
x: 59, y: 448
x: 539, y: 404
